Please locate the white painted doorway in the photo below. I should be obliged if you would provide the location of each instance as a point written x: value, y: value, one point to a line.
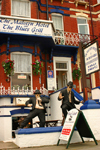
x: 62, y: 71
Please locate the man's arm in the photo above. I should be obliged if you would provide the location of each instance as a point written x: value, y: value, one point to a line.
x: 76, y: 101
x: 29, y: 102
x: 45, y: 99
x: 60, y: 97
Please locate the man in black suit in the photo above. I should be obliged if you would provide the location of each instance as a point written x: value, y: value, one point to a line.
x: 38, y: 108
x: 68, y: 100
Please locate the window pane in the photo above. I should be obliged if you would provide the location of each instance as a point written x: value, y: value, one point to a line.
x: 61, y: 65
x: 57, y: 20
x: 21, y: 82
x: 15, y: 7
x: 81, y: 21
x: 83, y: 29
x: 20, y: 8
x: 21, y: 62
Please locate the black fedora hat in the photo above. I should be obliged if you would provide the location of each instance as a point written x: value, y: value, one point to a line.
x: 70, y: 84
x: 37, y: 92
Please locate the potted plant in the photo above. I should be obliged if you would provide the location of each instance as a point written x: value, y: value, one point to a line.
x: 37, y: 67
x: 8, y: 66
x: 76, y: 73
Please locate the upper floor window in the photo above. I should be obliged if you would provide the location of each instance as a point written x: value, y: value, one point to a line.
x: 21, y: 8
x: 58, y: 24
x: 83, y: 27
x: 58, y: 21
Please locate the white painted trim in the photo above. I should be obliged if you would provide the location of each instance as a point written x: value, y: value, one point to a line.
x: 26, y: 19
x: 93, y: 80
x: 66, y: 60
x: 81, y: 15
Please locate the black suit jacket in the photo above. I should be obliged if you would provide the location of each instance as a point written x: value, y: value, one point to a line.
x: 32, y: 101
x: 65, y: 99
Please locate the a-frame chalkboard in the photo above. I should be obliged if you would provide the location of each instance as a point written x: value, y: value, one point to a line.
x: 80, y: 123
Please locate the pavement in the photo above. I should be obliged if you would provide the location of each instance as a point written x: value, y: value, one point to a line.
x: 73, y: 146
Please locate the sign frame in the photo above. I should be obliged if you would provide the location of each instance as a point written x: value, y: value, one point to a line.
x: 82, y: 127
x: 97, y: 57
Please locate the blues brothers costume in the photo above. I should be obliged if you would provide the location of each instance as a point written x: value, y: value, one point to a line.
x: 68, y: 100
x: 38, y: 109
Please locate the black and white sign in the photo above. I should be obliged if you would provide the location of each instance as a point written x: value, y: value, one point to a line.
x: 91, y: 58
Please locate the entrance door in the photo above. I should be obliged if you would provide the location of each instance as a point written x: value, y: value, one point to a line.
x: 62, y: 71
x: 61, y: 79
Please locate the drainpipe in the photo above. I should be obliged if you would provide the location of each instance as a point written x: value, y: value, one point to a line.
x: 47, y: 9
x: 91, y: 20
x: 46, y: 51
x: 46, y: 68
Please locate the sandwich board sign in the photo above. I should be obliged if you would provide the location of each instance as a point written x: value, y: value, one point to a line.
x: 75, y: 118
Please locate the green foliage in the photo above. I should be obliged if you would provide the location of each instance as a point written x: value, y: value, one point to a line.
x: 37, y: 67
x: 76, y: 73
x: 8, y: 66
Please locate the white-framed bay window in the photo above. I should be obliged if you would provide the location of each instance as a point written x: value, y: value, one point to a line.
x: 62, y: 71
x: 22, y: 77
x: 59, y: 27
x: 21, y: 8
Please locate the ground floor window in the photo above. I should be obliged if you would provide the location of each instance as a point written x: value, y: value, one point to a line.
x: 22, y: 78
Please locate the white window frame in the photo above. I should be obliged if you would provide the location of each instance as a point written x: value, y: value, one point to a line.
x: 62, y: 60
x: 22, y: 15
x: 83, y: 24
x: 98, y: 1
x: 25, y: 72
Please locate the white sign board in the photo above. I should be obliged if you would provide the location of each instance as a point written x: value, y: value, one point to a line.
x: 91, y: 59
x: 21, y: 101
x: 51, y: 83
x: 25, y: 27
x: 69, y: 124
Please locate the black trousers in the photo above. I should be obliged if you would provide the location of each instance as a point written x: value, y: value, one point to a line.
x: 36, y: 112
x: 67, y: 107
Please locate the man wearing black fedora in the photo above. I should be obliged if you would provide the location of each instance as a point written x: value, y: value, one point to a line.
x: 68, y: 99
x: 38, y: 108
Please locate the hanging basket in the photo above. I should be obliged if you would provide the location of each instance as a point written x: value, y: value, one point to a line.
x: 8, y: 66
x: 76, y: 73
x: 37, y: 67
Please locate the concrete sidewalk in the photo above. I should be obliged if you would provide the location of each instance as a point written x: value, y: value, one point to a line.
x: 75, y: 146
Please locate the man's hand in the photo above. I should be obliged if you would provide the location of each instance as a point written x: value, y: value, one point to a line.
x: 39, y: 99
x: 29, y: 105
x: 82, y: 102
x: 60, y: 96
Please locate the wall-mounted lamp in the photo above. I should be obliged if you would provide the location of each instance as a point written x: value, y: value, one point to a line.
x: 50, y: 67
